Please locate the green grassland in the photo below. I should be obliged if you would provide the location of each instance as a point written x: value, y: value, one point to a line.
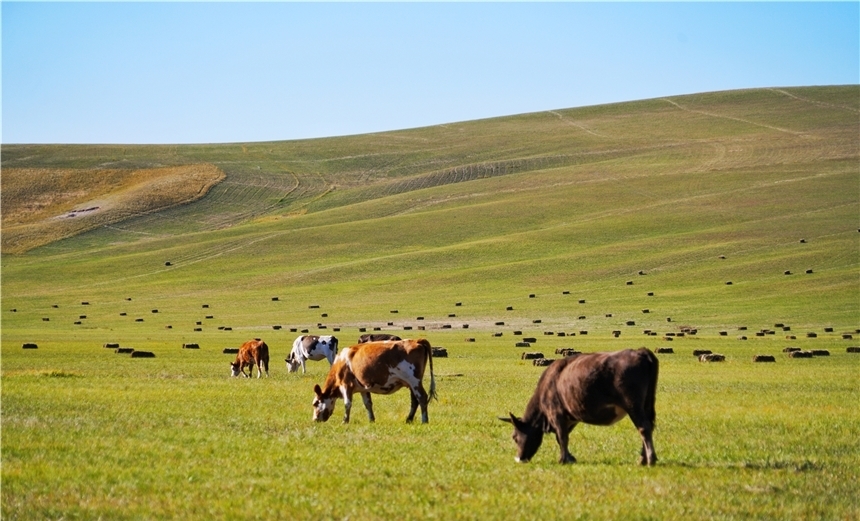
x: 581, y: 220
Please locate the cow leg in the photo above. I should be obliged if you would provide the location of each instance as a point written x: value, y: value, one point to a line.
x: 562, y: 436
x: 347, y: 403
x: 645, y: 426
x: 368, y: 404
x: 419, y: 398
x: 302, y: 360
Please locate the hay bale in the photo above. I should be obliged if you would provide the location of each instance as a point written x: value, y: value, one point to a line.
x: 820, y: 352
x: 712, y: 357
x: 497, y: 334
x: 616, y: 333
x: 699, y: 352
x: 523, y: 344
x: 29, y: 345
x: 500, y: 323
x: 852, y: 349
x: 742, y: 337
x: 276, y: 328
x: 847, y: 336
x: 790, y: 349
x: 190, y: 346
x: 811, y: 335
x: 764, y: 358
x: 531, y: 356
x: 530, y: 339
x: 142, y: 354
x: 828, y: 329
x: 800, y: 354
x: 439, y: 352
x: 124, y: 350
x: 111, y: 345
x: 509, y: 308
x: 665, y: 351
x: 230, y: 350
x: 541, y: 362
x: 470, y: 339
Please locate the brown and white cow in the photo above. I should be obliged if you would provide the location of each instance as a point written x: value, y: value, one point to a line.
x: 377, y: 367
x: 593, y: 388
x: 311, y: 347
x: 253, y: 353
x: 376, y: 337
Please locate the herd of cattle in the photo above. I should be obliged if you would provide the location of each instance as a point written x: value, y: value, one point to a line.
x: 591, y: 388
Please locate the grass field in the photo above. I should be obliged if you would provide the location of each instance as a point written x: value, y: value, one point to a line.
x: 632, y: 217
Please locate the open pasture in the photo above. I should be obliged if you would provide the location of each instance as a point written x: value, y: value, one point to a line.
x: 724, y: 222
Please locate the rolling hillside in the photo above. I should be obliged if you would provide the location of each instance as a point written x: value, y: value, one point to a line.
x: 677, y: 197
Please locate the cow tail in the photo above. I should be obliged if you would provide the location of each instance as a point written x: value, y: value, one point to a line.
x: 432, y: 378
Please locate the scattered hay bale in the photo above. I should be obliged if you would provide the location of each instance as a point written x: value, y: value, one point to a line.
x: 631, y: 323
x: 809, y: 271
x: 29, y: 345
x: 800, y: 354
x: 497, y: 334
x: 276, y: 328
x: 532, y: 295
x: 583, y: 332
x: 509, y: 308
x: 742, y: 337
x: 566, y: 351
x: 629, y: 282
x: 820, y: 352
x: 142, y: 354
x: 811, y: 335
x: 786, y: 272
x: 111, y: 345
x: 728, y: 283
x: 523, y: 344
x: 790, y: 349
x: 530, y: 339
x: 190, y: 346
x: 230, y: 350
x: 582, y: 301
x: 852, y: 349
x: 458, y: 304
x: 699, y: 352
x: 531, y: 356
x: 536, y: 321
x: 712, y: 357
x: 518, y: 333
x: 470, y: 339
x: 314, y: 306
x: 138, y: 320
x: 665, y: 351
x: 847, y: 336
x: 764, y: 358
x: 616, y: 333
x: 124, y: 350
x: 828, y: 329
x: 439, y: 352
x: 500, y: 323
x: 541, y: 362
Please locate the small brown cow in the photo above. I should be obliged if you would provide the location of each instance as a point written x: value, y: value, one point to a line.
x: 252, y: 353
x: 377, y: 367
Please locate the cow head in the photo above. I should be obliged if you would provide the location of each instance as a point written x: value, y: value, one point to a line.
x: 527, y: 437
x: 323, y: 405
x: 235, y: 369
x: 292, y: 363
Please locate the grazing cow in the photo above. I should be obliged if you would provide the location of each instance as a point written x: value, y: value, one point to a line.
x: 378, y: 337
x: 311, y: 347
x: 252, y: 353
x: 593, y: 388
x: 377, y: 367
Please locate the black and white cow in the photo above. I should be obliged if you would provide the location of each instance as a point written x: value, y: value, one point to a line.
x: 311, y: 347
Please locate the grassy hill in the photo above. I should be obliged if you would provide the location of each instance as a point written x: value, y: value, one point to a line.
x: 600, y: 228
x: 490, y: 211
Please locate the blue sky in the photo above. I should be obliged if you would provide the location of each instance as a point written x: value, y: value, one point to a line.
x: 230, y: 72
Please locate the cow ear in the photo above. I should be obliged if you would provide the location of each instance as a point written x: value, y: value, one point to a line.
x: 506, y: 419
x: 317, y: 390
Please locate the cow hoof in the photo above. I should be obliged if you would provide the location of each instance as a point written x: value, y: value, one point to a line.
x: 566, y: 460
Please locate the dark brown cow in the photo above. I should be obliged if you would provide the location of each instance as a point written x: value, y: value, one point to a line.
x: 378, y: 337
x: 593, y: 388
x: 377, y: 367
x: 252, y: 353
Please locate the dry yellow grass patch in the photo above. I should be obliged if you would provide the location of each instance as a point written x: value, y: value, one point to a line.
x: 41, y: 205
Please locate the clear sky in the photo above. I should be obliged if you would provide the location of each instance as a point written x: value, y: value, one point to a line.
x: 228, y: 72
